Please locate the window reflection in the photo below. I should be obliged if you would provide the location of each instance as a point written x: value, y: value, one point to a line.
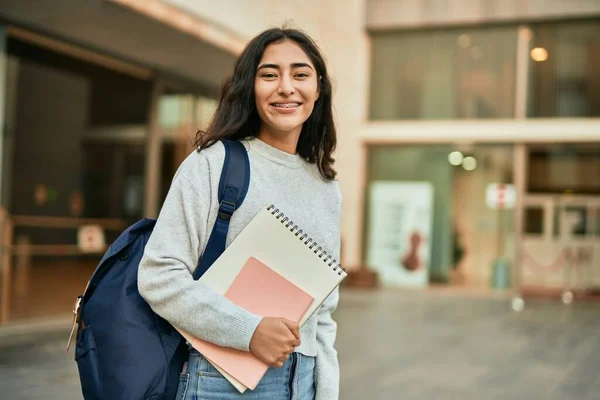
x: 443, y: 74
x: 570, y: 221
x: 595, y: 221
x: 468, y: 232
x: 564, y: 169
x: 565, y: 58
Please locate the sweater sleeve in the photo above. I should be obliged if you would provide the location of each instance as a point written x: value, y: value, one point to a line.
x: 173, y: 250
x: 327, y: 376
x: 327, y: 369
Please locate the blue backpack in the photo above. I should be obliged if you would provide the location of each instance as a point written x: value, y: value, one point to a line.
x: 124, y: 350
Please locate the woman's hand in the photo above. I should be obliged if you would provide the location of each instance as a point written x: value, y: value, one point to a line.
x: 274, y: 340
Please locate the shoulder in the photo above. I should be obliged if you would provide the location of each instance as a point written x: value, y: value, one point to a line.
x: 329, y: 189
x: 200, y: 164
x: 336, y: 194
x: 333, y: 186
x: 330, y: 185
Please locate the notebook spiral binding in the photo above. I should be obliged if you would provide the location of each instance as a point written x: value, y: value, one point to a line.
x: 318, y: 250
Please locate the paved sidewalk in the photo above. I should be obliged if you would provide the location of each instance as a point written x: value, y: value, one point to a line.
x: 402, y: 345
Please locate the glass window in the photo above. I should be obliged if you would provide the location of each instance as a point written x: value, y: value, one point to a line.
x: 467, y: 234
x: 421, y: 166
x: 449, y: 74
x: 571, y: 221
x: 575, y: 220
x: 180, y: 115
x: 595, y: 220
x: 113, y: 176
x: 73, y: 150
x: 534, y: 220
x: 565, y: 59
x: 564, y: 168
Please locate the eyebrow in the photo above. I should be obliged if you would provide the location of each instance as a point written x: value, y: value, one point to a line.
x: 293, y: 65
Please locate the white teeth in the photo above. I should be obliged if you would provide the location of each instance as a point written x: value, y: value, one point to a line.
x: 286, y: 105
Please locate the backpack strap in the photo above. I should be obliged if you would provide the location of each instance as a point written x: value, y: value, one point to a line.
x: 233, y: 186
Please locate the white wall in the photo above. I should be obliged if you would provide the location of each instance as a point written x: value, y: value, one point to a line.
x: 385, y: 14
x: 338, y: 28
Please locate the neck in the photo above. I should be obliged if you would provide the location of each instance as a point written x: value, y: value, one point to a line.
x: 284, y: 141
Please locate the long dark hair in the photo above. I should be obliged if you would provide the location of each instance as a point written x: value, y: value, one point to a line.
x: 236, y: 116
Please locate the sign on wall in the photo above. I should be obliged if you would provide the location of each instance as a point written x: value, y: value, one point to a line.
x: 401, y: 215
x: 500, y: 196
x: 90, y: 239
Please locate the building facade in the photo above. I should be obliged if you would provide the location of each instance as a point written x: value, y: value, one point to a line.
x: 495, y: 106
x: 468, y: 150
x: 475, y: 100
x: 98, y: 104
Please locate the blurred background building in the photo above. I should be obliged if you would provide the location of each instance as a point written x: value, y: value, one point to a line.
x: 469, y: 133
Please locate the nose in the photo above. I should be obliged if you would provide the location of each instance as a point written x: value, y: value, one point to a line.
x: 286, y: 86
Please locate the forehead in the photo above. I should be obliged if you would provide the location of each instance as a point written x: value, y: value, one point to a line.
x: 284, y: 53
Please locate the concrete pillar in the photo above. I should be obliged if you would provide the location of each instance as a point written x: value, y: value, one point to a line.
x: 153, y: 155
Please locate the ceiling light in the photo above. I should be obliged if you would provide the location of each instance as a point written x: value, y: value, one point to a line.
x: 464, y: 41
x: 455, y: 158
x: 539, y: 54
x: 469, y: 163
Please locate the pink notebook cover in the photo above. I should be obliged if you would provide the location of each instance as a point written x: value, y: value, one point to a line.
x: 264, y: 292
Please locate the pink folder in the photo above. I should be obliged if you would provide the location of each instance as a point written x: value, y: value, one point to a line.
x: 264, y: 292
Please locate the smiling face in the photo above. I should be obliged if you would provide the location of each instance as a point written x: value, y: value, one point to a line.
x: 285, y: 89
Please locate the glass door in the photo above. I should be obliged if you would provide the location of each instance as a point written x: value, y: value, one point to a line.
x: 561, y: 244
x: 72, y: 173
x: 5, y: 238
x: 560, y: 250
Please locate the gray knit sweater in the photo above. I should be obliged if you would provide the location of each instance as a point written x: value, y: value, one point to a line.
x: 184, y: 226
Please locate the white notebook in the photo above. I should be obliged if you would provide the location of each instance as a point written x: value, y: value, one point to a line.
x: 279, y: 243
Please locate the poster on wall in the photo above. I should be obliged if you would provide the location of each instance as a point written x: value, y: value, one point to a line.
x: 401, y: 216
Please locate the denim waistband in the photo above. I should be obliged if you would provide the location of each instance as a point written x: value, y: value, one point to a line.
x: 295, y: 380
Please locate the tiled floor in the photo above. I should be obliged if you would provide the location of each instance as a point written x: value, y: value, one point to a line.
x: 430, y: 346
x: 406, y: 345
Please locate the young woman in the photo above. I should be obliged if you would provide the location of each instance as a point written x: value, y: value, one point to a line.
x: 278, y: 104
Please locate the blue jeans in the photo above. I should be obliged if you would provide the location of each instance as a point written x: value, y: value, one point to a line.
x: 293, y: 381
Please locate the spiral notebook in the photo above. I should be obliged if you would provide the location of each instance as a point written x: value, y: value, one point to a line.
x: 262, y: 291
x: 284, y: 247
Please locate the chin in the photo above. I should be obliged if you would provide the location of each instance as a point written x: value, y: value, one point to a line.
x: 287, y: 127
